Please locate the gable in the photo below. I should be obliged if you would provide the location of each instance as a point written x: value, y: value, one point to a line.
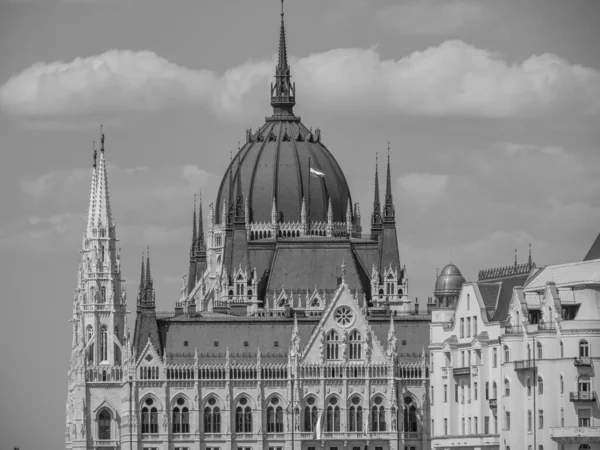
x: 340, y: 320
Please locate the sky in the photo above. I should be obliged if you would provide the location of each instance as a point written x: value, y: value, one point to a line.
x: 491, y: 110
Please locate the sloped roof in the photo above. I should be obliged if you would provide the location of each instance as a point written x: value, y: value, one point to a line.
x: 594, y: 251
x: 575, y: 273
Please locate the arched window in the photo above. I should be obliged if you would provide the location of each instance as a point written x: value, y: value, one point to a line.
x: 378, y: 415
x: 332, y: 345
x: 149, y: 417
x: 355, y: 415
x: 212, y: 417
x: 274, y: 416
x: 529, y: 387
x: 506, y: 354
x: 103, y: 343
x: 540, y: 353
x: 103, y: 294
x: 562, y: 350
x: 311, y: 414
x: 355, y: 345
x: 104, y: 424
x: 181, y: 417
x: 410, y: 416
x: 333, y: 415
x: 540, y: 381
x: 584, y: 349
x: 506, y: 388
x: 117, y: 354
x: 562, y: 384
x: 494, y: 390
x: 89, y: 332
x: 528, y: 351
x: 243, y: 416
x: 584, y: 447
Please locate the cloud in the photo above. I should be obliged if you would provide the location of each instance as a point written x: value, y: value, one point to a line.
x: 451, y: 79
x: 424, y: 188
x: 432, y: 17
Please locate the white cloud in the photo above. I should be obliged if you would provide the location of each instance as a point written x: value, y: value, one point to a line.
x: 453, y: 78
x: 432, y: 16
x: 424, y: 188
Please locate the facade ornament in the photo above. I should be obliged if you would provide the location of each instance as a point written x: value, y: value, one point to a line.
x: 74, y: 431
x: 165, y: 422
x: 391, y: 340
x: 196, y: 356
x: 82, y: 430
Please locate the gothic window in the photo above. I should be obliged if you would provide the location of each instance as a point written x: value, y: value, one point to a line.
x: 102, y: 254
x: 584, y: 349
x: 355, y: 415
x: 506, y: 387
x: 344, y: 316
x: 333, y: 415
x: 89, y: 332
x: 243, y: 416
x: 103, y: 294
x: 117, y: 353
x: 410, y: 416
x: 378, y: 415
x: 181, y: 417
x: 104, y: 424
x: 103, y: 343
x: 540, y: 385
x: 355, y: 345
x: 311, y: 414
x: 332, y: 345
x: 149, y: 417
x: 212, y: 417
x: 274, y: 416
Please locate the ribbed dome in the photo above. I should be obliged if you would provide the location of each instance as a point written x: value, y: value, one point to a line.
x: 274, y: 163
x: 449, y: 281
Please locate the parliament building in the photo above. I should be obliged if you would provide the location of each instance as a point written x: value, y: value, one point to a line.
x: 293, y: 328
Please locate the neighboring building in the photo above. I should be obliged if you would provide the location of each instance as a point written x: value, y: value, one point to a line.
x: 293, y: 329
x: 512, y: 366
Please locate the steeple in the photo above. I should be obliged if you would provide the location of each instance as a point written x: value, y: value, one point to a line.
x: 100, y: 215
x: 388, y: 211
x: 376, y: 216
x: 283, y: 91
x: 194, y: 231
x: 148, y: 289
x: 142, y: 283
x: 200, y: 246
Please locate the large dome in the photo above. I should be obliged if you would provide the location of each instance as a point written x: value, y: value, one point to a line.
x: 274, y: 164
x: 449, y: 281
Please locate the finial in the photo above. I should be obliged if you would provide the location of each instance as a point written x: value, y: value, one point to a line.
x: 530, y: 261
x: 95, y: 153
x: 515, y: 257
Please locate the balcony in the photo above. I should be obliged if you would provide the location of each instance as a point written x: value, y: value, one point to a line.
x: 213, y: 436
x: 493, y: 403
x: 575, y: 435
x: 525, y: 364
x: 461, y: 371
x: 513, y: 330
x: 106, y: 443
x: 347, y: 435
x: 582, y: 361
x: 483, y: 441
x: 589, y: 396
x: 548, y: 327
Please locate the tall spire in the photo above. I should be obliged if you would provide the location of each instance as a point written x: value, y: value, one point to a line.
x: 194, y: 231
x: 148, y: 273
x: 283, y: 91
x: 200, y: 235
x: 100, y: 213
x: 376, y: 217
x: 91, y: 206
x: 142, y: 275
x: 388, y: 211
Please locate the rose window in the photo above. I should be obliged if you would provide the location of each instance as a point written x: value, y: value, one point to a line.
x: 344, y: 316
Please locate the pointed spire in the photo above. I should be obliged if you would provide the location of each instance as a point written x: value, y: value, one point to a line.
x: 142, y: 275
x: 200, y: 234
x: 148, y: 273
x: 349, y: 217
x: 194, y: 231
x: 95, y: 155
x: 389, y: 203
x: 100, y: 214
x: 283, y: 92
x: 92, y: 203
x: 329, y: 212
x: 376, y: 217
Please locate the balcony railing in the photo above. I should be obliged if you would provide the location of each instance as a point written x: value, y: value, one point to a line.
x: 525, y: 364
x: 462, y: 371
x: 493, y: 403
x: 103, y: 443
x: 583, y: 361
x: 513, y: 330
x: 213, y: 436
x: 589, y: 396
x: 547, y: 326
x: 575, y: 435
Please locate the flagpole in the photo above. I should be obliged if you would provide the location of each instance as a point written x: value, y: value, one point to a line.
x: 308, y: 216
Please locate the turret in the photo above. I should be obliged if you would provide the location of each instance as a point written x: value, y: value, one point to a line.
x: 376, y: 215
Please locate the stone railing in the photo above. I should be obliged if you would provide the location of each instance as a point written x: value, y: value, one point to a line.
x: 525, y: 364
x: 106, y: 374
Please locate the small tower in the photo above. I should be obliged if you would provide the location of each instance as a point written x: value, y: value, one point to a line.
x: 376, y: 224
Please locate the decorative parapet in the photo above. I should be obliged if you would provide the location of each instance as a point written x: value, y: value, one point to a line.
x: 498, y: 273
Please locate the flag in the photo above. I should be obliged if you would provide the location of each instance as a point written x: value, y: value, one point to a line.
x: 318, y: 426
x: 316, y: 173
